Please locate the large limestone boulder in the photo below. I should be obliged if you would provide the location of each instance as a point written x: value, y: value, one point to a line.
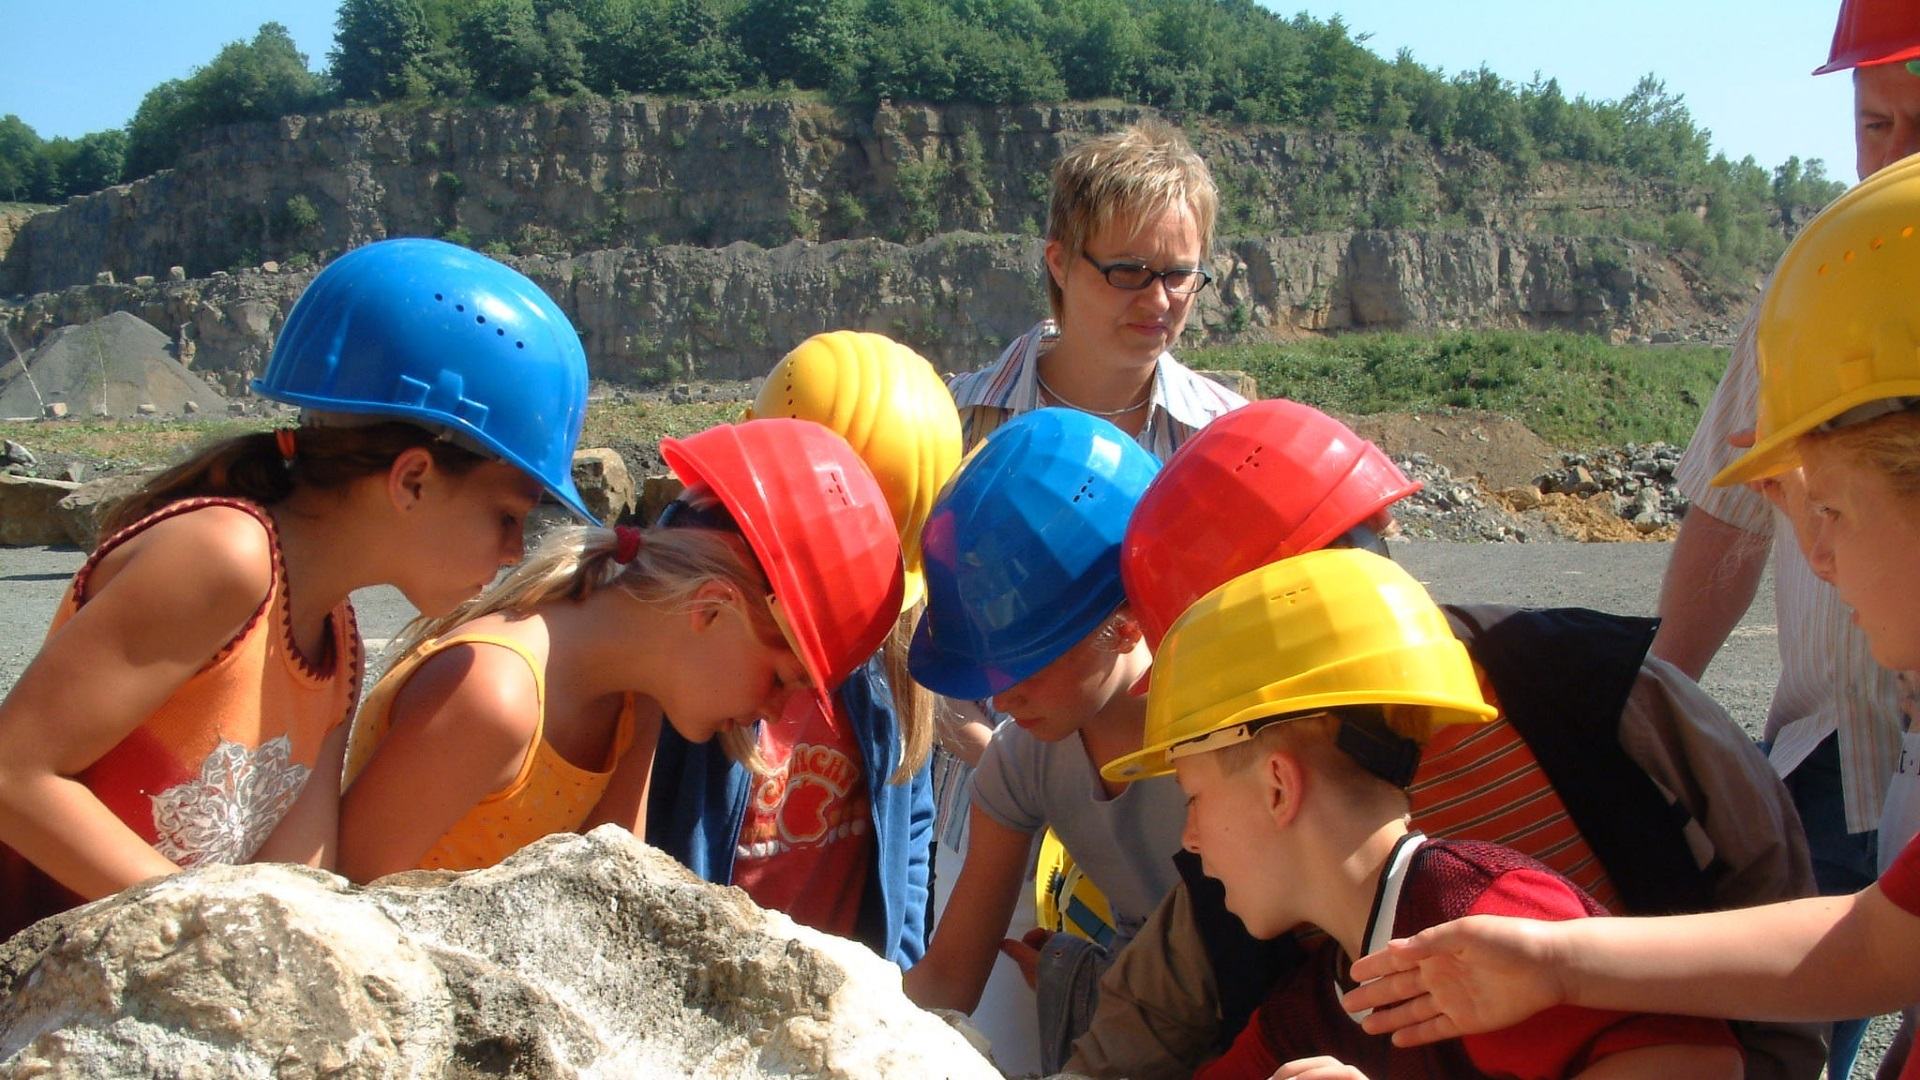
x: 30, y: 510
x: 604, y: 482
x: 581, y: 956
x: 84, y: 509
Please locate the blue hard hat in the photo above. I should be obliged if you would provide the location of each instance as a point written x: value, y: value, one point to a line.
x: 1022, y: 550
x: 430, y: 332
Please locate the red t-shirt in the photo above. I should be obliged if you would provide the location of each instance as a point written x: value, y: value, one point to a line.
x: 1901, y: 884
x: 807, y: 839
x: 1443, y: 880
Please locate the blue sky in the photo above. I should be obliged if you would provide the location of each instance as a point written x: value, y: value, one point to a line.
x: 82, y: 65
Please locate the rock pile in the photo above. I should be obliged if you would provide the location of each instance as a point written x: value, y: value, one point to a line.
x: 580, y: 956
x: 1638, y: 478
x: 1450, y: 508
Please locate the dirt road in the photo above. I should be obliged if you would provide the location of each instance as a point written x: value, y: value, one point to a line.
x: 1612, y: 577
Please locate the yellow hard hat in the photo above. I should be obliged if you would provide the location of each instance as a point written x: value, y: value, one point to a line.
x: 1316, y: 631
x: 890, y: 405
x: 1840, y: 325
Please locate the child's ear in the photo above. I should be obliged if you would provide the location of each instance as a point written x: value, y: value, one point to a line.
x: 408, y: 475
x: 709, y: 600
x: 1285, y: 783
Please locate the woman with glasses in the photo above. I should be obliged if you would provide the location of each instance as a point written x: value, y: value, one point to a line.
x: 1129, y: 233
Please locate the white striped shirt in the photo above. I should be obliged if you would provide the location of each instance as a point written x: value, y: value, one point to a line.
x: 1182, y: 402
x: 1828, y: 678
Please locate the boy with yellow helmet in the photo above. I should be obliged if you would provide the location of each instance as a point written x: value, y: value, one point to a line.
x: 1839, y: 354
x: 1291, y: 703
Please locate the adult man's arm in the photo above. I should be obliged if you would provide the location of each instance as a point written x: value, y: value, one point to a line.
x: 1711, y: 579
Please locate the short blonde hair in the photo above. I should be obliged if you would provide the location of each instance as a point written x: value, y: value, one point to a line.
x: 1128, y: 175
x: 1889, y: 445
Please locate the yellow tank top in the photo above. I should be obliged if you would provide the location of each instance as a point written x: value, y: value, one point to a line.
x: 549, y: 794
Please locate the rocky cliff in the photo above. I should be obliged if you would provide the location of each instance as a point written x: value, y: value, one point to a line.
x: 657, y: 314
x: 705, y: 238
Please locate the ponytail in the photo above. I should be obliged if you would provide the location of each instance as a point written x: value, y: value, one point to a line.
x: 912, y: 703
x: 667, y: 569
x: 256, y: 467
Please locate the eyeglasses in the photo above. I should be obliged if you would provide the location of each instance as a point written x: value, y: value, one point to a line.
x: 1133, y: 276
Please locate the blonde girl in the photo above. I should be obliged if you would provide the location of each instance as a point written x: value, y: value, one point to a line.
x: 536, y: 708
x: 766, y: 830
x: 190, y: 702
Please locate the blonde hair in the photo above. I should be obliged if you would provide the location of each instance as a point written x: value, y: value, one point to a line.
x: 1889, y: 445
x: 913, y: 704
x: 1128, y: 175
x: 667, y: 571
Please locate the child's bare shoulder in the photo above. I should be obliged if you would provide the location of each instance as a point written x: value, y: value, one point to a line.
x: 486, y: 690
x: 220, y: 556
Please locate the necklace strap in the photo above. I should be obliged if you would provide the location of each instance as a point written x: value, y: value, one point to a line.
x: 1060, y: 399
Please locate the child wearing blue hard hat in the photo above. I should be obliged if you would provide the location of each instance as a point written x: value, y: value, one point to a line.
x: 1025, y: 605
x: 190, y: 702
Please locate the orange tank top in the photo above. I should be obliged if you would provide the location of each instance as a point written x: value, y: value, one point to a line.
x: 207, y: 777
x: 549, y: 794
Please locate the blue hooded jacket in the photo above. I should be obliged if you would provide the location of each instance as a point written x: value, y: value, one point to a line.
x: 699, y: 797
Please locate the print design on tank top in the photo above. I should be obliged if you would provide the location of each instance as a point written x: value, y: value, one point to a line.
x: 228, y: 812
x: 799, y: 797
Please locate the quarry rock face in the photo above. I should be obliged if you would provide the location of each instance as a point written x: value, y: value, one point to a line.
x: 580, y: 956
x: 664, y: 314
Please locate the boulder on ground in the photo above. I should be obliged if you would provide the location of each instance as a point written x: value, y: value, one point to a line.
x: 30, y: 510
x: 586, y: 955
x: 83, y: 510
x: 655, y: 493
x: 604, y: 482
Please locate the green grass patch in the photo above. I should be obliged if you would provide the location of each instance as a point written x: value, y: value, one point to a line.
x: 1574, y: 390
x: 133, y: 441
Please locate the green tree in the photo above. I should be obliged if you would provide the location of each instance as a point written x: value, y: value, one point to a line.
x: 802, y: 42
x: 22, y: 162
x: 248, y: 81
x: 93, y: 161
x: 502, y: 43
x: 379, y: 46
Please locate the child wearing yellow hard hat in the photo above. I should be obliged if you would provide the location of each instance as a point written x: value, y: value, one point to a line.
x: 1838, y: 445
x: 1291, y: 704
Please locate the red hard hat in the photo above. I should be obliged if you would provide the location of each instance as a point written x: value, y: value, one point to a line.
x: 1262, y: 483
x: 1873, y: 32
x: 818, y: 522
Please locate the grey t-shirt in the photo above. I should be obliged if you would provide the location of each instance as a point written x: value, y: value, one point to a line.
x: 1124, y: 844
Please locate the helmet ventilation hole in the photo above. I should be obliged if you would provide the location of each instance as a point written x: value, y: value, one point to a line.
x: 481, y: 319
x: 439, y: 298
x: 1876, y: 242
x: 1906, y: 233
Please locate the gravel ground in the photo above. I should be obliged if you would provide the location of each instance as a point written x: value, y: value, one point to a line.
x: 1611, y: 577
